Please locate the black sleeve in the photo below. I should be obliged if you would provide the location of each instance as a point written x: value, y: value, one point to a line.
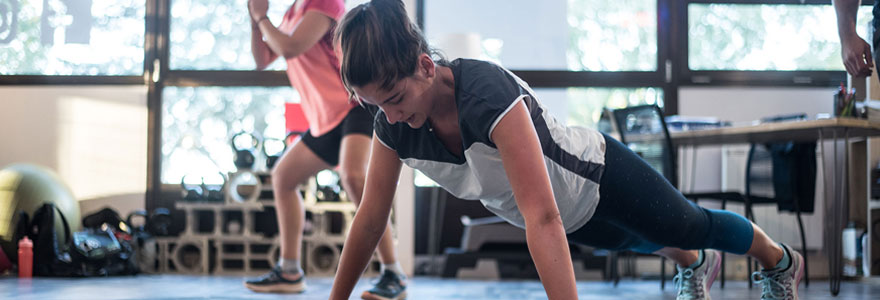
x: 487, y: 94
x: 383, y: 130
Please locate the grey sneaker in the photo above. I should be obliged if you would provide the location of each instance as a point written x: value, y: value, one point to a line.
x: 782, y: 284
x: 694, y: 284
x: 389, y: 287
x: 273, y: 282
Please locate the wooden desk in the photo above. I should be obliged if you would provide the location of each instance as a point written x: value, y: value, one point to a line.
x: 812, y: 130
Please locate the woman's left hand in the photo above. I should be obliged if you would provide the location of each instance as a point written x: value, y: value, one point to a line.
x: 523, y: 160
x: 258, y: 9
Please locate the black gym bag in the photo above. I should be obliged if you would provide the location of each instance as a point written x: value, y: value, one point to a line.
x: 91, y: 252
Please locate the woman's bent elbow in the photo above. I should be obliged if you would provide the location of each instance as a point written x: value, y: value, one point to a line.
x: 548, y: 218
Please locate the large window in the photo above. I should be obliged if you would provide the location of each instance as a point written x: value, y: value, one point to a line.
x: 575, y: 49
x: 764, y: 37
x: 576, y: 35
x: 216, y: 35
x: 579, y: 56
x: 612, y: 35
x: 199, y: 123
x: 67, y: 37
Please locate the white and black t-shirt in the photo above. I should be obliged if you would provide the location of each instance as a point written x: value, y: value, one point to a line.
x: 484, y: 93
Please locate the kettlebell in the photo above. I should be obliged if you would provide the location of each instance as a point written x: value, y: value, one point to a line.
x: 191, y: 193
x: 214, y: 195
x: 273, y: 156
x: 139, y: 231
x: 159, y: 222
x: 154, y: 224
x: 273, y: 149
x: 244, y: 157
x: 327, y: 194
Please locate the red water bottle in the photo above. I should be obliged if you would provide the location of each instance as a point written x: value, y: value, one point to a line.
x: 25, y: 258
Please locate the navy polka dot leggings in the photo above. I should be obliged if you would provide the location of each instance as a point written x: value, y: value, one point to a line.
x: 640, y: 210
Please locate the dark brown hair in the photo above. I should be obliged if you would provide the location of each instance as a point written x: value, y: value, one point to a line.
x: 379, y: 44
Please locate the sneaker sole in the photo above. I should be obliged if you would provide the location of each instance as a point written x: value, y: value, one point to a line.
x: 715, y: 270
x: 367, y: 296
x: 800, y: 273
x: 277, y: 288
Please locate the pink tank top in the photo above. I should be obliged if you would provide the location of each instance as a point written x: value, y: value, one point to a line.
x: 315, y: 72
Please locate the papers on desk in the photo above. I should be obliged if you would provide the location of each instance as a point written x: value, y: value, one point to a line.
x: 682, y: 123
x: 872, y: 109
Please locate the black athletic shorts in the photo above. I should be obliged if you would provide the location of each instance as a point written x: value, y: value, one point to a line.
x: 327, y: 146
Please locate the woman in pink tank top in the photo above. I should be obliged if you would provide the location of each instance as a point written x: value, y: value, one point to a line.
x: 340, y: 133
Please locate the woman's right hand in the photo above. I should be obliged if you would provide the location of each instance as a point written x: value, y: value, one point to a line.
x: 258, y: 9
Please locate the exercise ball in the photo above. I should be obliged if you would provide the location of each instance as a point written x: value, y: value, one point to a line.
x: 25, y: 187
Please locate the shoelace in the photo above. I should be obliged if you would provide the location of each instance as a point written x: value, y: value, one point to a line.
x: 775, y: 285
x: 685, y: 282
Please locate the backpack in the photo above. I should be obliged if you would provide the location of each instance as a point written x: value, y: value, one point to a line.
x: 50, y: 257
x: 91, y: 252
x: 794, y: 175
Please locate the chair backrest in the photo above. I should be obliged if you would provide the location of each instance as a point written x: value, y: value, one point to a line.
x: 759, y: 172
x: 643, y: 129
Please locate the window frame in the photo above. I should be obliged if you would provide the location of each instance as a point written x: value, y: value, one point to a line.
x: 672, y: 73
x: 149, y: 20
x: 688, y: 77
x: 71, y: 79
x: 659, y: 78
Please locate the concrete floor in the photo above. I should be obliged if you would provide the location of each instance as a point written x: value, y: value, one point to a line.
x: 228, y: 287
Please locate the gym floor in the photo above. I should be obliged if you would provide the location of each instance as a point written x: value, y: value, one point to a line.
x: 230, y: 287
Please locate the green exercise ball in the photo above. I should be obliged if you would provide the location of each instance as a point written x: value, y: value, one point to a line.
x: 25, y: 187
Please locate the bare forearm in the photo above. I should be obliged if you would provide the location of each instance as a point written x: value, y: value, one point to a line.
x: 262, y: 55
x: 549, y: 249
x: 359, y: 247
x: 847, y: 11
x: 280, y: 43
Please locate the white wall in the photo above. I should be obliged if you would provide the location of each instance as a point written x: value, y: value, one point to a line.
x: 743, y: 105
x: 94, y: 137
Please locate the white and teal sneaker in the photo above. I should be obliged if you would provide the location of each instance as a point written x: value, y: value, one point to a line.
x: 694, y: 284
x: 782, y: 283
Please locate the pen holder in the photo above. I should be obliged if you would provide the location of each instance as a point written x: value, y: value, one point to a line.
x: 844, y: 105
